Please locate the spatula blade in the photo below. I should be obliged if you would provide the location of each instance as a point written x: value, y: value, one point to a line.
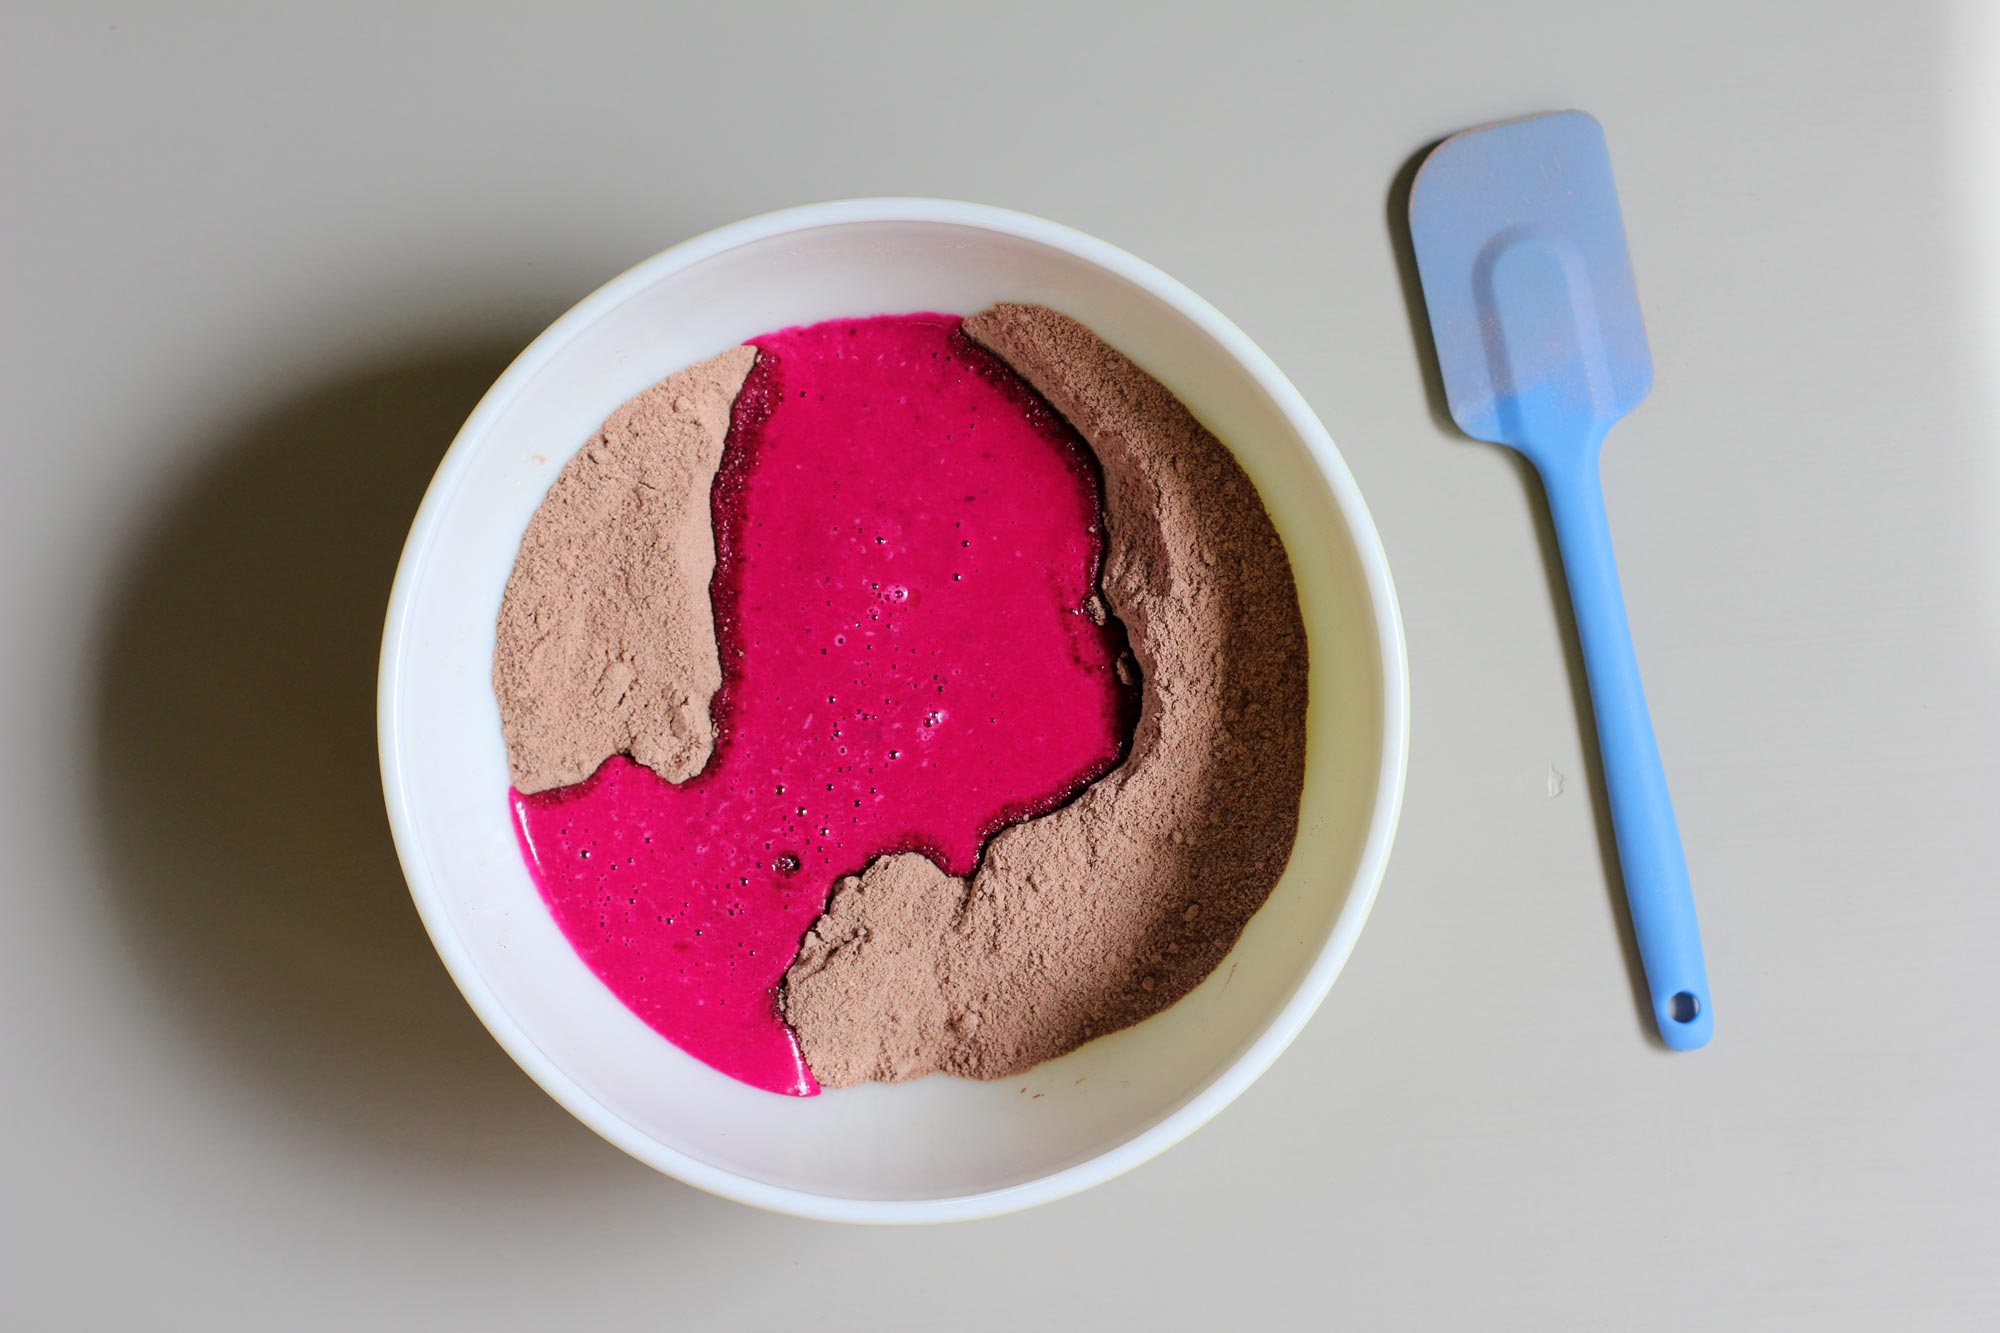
x: 1520, y: 245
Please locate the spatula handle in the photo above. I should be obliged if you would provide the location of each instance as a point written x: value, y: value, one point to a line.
x: 1642, y: 813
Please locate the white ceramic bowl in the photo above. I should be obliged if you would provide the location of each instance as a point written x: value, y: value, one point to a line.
x: 939, y: 1149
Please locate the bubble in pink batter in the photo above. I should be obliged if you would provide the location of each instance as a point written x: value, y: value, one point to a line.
x: 906, y: 536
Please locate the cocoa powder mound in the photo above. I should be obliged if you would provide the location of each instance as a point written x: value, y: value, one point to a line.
x: 1100, y: 914
x: 606, y: 634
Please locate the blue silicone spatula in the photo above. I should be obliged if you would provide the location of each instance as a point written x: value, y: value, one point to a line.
x: 1521, y: 248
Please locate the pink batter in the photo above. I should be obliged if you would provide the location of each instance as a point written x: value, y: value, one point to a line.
x: 906, y: 535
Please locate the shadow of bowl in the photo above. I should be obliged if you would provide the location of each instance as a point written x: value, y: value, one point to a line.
x: 234, y: 766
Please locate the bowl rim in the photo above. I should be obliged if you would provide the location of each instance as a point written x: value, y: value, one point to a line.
x: 1224, y: 1087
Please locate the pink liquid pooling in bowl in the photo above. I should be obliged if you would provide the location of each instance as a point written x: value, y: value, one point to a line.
x: 906, y: 536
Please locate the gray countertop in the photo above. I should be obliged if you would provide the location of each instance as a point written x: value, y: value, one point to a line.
x: 262, y: 261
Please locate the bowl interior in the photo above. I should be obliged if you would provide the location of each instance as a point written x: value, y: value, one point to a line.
x: 939, y: 1138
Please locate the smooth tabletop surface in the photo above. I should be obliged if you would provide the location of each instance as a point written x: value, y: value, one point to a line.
x: 260, y: 263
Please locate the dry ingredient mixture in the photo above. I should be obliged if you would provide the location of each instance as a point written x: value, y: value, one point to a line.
x: 606, y: 638
x: 1076, y: 921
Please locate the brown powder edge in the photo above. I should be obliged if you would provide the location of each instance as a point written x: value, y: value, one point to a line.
x: 909, y: 971
x: 605, y: 640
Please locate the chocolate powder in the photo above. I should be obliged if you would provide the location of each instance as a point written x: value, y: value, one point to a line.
x: 1095, y: 916
x: 607, y: 636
